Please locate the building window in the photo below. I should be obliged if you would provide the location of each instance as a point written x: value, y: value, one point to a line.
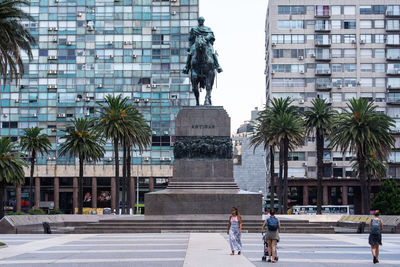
x: 349, y: 24
x: 365, y: 10
x: 336, y: 24
x: 366, y: 67
x: 379, y: 67
x: 366, y: 53
x: 366, y: 38
x: 379, y: 24
x: 378, y: 9
x: 366, y: 82
x: 393, y: 10
x: 379, y: 38
x: 349, y: 53
x: 290, y: 24
x: 392, y: 24
x: 350, y: 67
x: 350, y: 82
x: 379, y: 53
x: 379, y: 97
x: 291, y: 10
x: 322, y: 10
x: 336, y: 38
x: 336, y: 67
x: 349, y: 38
x: 336, y: 10
x: 365, y: 24
x: 349, y: 10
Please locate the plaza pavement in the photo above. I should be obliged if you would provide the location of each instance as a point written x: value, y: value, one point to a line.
x: 188, y: 250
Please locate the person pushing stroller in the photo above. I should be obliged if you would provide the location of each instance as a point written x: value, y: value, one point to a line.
x: 271, y: 237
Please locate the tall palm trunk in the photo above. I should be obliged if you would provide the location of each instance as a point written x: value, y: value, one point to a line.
x: 128, y: 174
x: 80, y: 187
x: 285, y: 177
x: 124, y: 179
x: 320, y: 166
x: 31, y: 179
x: 116, y: 181
x: 369, y: 192
x: 280, y: 182
x: 272, y: 177
x: 363, y: 184
x: 2, y: 189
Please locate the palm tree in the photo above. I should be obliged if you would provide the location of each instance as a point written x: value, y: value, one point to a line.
x: 85, y: 144
x: 318, y: 121
x: 120, y: 121
x: 287, y: 137
x: 262, y: 136
x: 36, y: 144
x: 11, y: 168
x: 360, y: 128
x: 375, y: 169
x: 288, y: 128
x: 14, y: 38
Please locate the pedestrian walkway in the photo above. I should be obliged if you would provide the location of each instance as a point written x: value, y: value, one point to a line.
x: 210, y: 250
x: 324, y: 250
x: 191, y: 250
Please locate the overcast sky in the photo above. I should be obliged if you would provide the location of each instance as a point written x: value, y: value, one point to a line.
x: 239, y: 28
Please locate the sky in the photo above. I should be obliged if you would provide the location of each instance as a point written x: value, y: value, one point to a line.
x: 239, y: 29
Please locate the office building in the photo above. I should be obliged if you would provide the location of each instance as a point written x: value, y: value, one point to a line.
x: 335, y: 50
x: 86, y: 50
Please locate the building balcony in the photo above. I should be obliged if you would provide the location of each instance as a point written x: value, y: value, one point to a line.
x: 393, y: 87
x: 392, y: 13
x: 323, y: 86
x: 323, y: 72
x: 395, y: 131
x: 393, y: 58
x: 395, y: 44
x: 393, y: 72
x: 322, y: 14
x: 322, y: 42
x: 392, y: 29
x: 393, y: 100
x: 323, y: 57
x: 322, y: 28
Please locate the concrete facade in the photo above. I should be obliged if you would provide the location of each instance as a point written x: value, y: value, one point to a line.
x: 335, y: 50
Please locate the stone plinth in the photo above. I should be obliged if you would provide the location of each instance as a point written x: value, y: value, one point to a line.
x: 202, y: 180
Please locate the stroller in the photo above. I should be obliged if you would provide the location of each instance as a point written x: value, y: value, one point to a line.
x: 264, y: 257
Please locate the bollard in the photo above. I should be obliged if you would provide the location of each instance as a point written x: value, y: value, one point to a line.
x: 46, y: 228
x: 360, y: 228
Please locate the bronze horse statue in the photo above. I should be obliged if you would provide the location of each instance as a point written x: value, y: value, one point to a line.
x: 202, y: 69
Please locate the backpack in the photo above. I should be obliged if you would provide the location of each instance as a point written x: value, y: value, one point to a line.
x: 273, y: 223
x: 375, y: 226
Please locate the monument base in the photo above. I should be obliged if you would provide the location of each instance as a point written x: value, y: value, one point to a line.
x: 171, y: 202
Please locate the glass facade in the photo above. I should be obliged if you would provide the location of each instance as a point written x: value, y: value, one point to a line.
x: 90, y: 48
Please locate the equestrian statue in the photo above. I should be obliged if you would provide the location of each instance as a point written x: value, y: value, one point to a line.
x: 202, y: 62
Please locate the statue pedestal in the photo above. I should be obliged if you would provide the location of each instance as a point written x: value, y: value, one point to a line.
x: 202, y: 180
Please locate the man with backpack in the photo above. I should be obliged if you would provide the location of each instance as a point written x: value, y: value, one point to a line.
x: 272, y: 236
x: 375, y: 236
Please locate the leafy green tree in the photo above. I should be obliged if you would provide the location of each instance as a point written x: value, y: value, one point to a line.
x: 36, y: 144
x: 318, y: 121
x: 120, y: 121
x: 14, y: 38
x: 11, y: 168
x: 83, y: 143
x: 360, y: 128
x: 387, y: 201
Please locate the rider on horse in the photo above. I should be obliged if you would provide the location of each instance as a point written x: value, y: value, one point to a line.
x: 201, y: 30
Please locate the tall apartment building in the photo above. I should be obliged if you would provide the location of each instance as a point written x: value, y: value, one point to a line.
x: 86, y: 50
x: 336, y: 50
